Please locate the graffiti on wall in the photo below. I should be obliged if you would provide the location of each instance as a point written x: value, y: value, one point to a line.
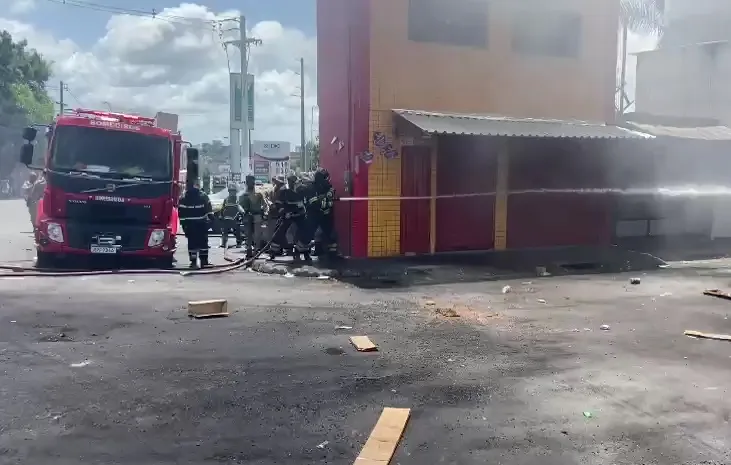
x: 381, y: 142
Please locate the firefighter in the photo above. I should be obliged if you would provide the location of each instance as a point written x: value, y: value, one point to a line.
x: 252, y: 204
x: 31, y: 202
x: 231, y: 216
x: 273, y: 207
x: 195, y: 213
x: 326, y: 242
x: 291, y: 211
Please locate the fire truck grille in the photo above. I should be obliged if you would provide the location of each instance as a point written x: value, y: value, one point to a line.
x: 109, y: 213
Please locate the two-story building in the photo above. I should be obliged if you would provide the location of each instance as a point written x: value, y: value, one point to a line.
x: 469, y: 124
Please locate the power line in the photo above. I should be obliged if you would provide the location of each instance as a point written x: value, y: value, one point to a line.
x: 152, y: 13
x: 66, y: 88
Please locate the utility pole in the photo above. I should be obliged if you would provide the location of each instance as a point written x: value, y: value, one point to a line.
x: 60, y: 99
x: 241, y: 166
x: 302, y: 115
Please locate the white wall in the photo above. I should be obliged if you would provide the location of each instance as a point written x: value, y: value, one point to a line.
x: 694, y: 21
x: 687, y: 81
x: 676, y: 10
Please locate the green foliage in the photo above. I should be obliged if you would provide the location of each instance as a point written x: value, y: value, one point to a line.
x: 37, y: 108
x: 23, y: 77
x: 23, y: 98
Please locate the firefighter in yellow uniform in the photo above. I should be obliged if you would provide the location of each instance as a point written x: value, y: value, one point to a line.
x: 252, y: 204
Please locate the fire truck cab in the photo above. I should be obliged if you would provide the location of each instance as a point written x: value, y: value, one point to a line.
x: 111, y: 187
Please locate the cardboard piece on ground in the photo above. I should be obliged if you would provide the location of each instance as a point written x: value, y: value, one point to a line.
x: 717, y: 293
x: 208, y: 308
x: 717, y: 337
x: 382, y: 443
x: 363, y: 344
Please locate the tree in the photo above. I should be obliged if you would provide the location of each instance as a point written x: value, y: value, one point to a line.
x: 23, y: 98
x: 642, y: 17
x: 23, y: 77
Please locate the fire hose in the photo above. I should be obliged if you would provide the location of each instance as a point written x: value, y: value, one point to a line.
x: 234, y: 264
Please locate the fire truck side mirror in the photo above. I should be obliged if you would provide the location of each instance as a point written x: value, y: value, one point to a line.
x: 30, y: 133
x: 26, y: 154
x: 192, y: 156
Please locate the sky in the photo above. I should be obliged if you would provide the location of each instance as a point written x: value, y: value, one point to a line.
x: 175, y: 62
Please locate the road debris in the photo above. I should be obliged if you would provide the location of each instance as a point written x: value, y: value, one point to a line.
x: 430, y: 303
x: 541, y: 301
x: 383, y: 440
x: 588, y: 414
x: 605, y: 327
x: 323, y: 444
x: 700, y: 335
x: 208, y: 308
x: 343, y: 327
x: 363, y: 344
x: 635, y: 281
x: 447, y: 312
x: 288, y: 275
x: 717, y: 293
x: 507, y: 289
x: 81, y: 364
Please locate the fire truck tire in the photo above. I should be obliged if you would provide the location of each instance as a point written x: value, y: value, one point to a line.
x: 165, y: 263
x: 45, y: 260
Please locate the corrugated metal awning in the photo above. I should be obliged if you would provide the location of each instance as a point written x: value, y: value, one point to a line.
x: 709, y: 133
x: 487, y: 125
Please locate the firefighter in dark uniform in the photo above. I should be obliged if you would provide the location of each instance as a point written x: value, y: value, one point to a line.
x: 195, y: 213
x: 321, y: 204
x: 231, y: 216
x: 272, y: 211
x: 291, y: 210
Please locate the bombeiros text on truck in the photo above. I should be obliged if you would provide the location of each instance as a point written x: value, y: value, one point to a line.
x: 112, y: 186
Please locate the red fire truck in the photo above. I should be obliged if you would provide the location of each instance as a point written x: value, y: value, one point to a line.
x: 112, y: 187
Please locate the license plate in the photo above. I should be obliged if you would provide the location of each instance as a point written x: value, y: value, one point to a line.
x: 103, y: 249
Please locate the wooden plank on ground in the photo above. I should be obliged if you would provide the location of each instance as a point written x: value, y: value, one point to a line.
x: 382, y: 443
x: 363, y: 344
x: 717, y: 293
x: 716, y: 337
x: 208, y: 308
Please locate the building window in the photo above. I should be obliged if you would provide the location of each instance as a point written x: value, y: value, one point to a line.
x: 460, y: 23
x: 546, y: 32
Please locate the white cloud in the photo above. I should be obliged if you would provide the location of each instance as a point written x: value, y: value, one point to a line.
x: 179, y: 65
x: 19, y: 7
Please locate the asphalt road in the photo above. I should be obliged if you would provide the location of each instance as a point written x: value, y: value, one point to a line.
x: 109, y: 369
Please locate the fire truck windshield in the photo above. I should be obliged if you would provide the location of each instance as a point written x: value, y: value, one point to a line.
x: 109, y: 153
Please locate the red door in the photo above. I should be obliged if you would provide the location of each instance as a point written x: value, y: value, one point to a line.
x: 415, y: 213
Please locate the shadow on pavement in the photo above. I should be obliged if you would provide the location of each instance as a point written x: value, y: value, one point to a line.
x: 448, y: 268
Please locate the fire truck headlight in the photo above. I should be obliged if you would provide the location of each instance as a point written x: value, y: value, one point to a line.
x: 55, y: 232
x: 157, y: 237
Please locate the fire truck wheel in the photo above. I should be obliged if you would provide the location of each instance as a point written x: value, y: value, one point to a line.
x: 45, y: 260
x: 165, y: 263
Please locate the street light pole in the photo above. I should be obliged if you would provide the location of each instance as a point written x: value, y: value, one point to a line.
x: 302, y: 114
x: 241, y: 138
